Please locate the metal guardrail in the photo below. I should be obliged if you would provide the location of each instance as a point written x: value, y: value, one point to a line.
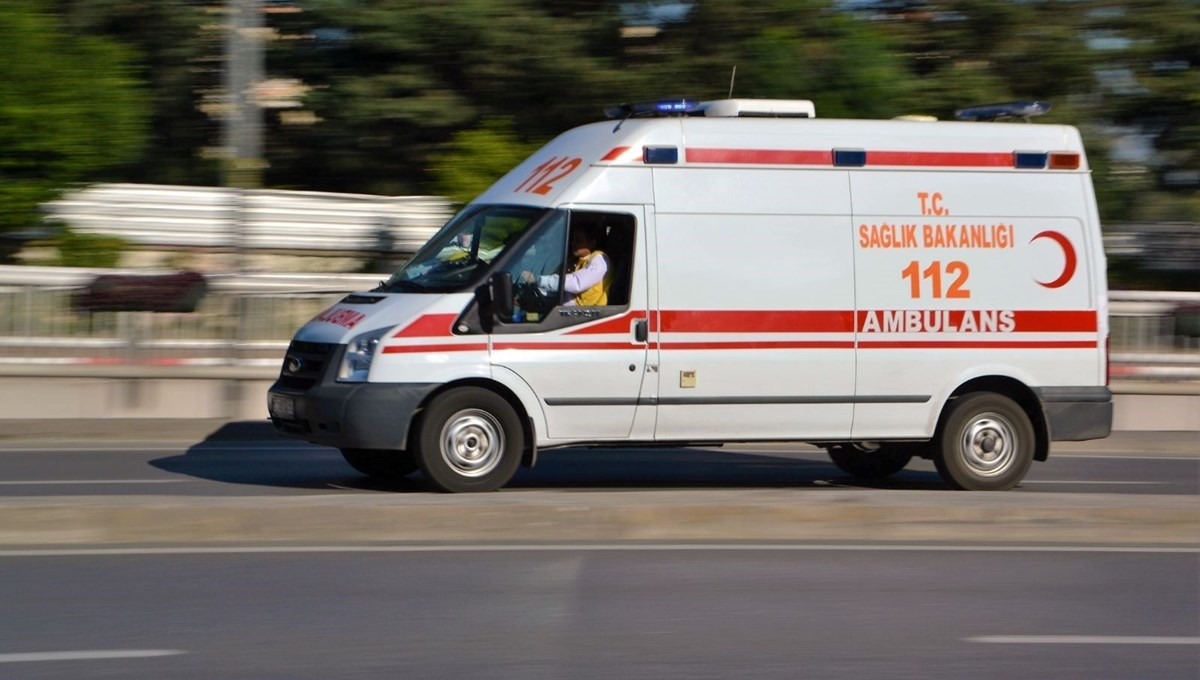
x: 260, y: 219
x: 248, y: 320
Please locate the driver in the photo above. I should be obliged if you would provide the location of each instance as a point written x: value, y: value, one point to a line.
x: 589, y: 279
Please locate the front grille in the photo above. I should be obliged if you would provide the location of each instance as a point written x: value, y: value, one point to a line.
x: 305, y: 364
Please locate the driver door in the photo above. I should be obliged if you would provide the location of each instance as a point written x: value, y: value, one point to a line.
x: 586, y: 364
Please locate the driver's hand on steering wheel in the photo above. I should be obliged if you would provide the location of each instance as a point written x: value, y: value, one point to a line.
x: 527, y: 277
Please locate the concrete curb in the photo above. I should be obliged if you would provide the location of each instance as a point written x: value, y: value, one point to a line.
x: 771, y: 515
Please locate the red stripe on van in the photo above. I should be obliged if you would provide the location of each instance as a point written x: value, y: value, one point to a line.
x: 737, y: 321
x: 941, y: 159
x: 567, y: 345
x: 1024, y: 321
x: 762, y: 344
x: 759, y: 156
x: 615, y: 153
x: 1045, y: 321
x: 978, y: 344
x: 447, y: 347
x: 617, y: 324
x: 934, y: 159
x: 428, y: 326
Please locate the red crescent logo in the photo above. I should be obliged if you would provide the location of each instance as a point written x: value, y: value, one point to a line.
x: 1068, y: 251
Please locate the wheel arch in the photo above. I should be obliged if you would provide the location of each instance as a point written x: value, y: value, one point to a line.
x: 1014, y: 389
x: 528, y: 429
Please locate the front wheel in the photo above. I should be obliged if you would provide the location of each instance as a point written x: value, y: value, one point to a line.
x: 986, y: 443
x: 381, y: 463
x: 864, y: 463
x: 469, y: 439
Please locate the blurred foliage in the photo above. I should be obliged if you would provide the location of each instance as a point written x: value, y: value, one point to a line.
x: 87, y: 250
x: 70, y: 106
x: 473, y: 159
x: 408, y: 96
x: 406, y: 75
x: 177, y: 51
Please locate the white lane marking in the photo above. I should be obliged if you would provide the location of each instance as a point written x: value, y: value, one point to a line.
x: 1083, y: 640
x: 1100, y: 456
x: 51, y: 482
x: 1070, y: 481
x: 88, y: 655
x: 581, y: 547
x: 180, y: 446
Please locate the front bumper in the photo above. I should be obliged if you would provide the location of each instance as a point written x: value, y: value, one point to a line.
x: 1077, y: 413
x: 308, y: 403
x: 348, y: 416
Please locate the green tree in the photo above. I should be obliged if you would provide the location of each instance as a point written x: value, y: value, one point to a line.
x: 1151, y: 62
x: 177, y: 51
x: 393, y: 81
x: 69, y: 108
x: 786, y: 49
x: 473, y: 159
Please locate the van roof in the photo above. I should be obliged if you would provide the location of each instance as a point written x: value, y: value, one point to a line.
x: 689, y: 136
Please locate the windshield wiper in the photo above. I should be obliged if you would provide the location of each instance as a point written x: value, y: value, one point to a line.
x: 407, y: 285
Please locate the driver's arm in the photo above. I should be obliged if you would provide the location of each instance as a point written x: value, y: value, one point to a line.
x: 581, y: 279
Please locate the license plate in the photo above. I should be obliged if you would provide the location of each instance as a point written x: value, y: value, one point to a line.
x: 282, y: 407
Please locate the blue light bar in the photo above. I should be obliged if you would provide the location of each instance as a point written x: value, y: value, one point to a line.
x: 849, y: 158
x: 660, y: 155
x: 988, y: 112
x: 656, y: 109
x: 1030, y: 160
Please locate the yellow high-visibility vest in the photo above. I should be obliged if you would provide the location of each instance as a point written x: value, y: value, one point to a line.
x: 597, y: 294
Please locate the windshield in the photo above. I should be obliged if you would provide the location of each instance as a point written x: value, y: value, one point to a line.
x: 460, y: 254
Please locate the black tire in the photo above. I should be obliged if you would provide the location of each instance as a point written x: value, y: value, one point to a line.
x: 469, y: 439
x: 381, y: 463
x: 986, y: 443
x: 869, y: 464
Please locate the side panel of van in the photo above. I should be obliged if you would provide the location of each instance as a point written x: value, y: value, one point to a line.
x: 755, y: 303
x: 968, y: 274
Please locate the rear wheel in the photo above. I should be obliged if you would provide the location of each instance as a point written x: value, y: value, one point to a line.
x: 986, y: 443
x: 381, y: 463
x: 469, y: 439
x: 869, y: 463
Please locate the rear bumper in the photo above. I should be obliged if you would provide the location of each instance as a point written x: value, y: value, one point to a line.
x: 1077, y: 413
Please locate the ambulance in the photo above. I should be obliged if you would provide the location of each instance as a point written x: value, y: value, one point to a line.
x: 885, y: 289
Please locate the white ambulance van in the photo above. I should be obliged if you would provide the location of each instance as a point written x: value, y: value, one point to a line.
x: 885, y: 289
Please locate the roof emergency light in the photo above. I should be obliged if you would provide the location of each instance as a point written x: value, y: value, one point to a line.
x: 663, y: 108
x: 990, y: 112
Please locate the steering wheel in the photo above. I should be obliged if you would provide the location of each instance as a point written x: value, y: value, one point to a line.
x: 531, y: 297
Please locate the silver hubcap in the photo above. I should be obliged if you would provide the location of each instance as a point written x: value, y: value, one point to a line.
x: 989, y: 444
x: 472, y: 442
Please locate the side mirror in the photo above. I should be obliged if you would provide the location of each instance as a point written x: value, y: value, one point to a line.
x: 502, y: 295
x: 485, y: 308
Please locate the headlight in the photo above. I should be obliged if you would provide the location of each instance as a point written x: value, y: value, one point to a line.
x: 356, y: 362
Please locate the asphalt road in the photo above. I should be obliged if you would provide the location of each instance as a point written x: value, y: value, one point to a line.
x: 280, y: 467
x: 641, y: 612
x: 251, y: 557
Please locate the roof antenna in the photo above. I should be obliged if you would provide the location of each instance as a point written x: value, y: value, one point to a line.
x: 732, y: 77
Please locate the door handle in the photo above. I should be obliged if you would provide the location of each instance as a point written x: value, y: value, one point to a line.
x: 641, y: 331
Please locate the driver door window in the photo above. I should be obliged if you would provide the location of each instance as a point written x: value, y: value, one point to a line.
x: 546, y: 271
x: 540, y: 258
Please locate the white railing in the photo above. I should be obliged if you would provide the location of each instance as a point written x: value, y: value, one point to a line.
x: 249, y: 319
